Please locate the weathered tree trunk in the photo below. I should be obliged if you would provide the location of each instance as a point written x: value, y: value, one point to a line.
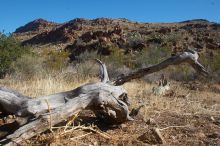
x: 44, y: 121
x: 53, y: 109
x: 10, y: 100
x: 36, y: 115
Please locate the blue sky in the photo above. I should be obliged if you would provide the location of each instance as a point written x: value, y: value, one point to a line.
x: 15, y: 13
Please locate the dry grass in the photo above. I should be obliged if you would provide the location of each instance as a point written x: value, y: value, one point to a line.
x: 190, y: 110
x: 179, y: 99
x: 46, y: 85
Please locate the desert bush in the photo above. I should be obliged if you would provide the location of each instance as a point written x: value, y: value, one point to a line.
x: 54, y: 60
x: 211, y: 63
x: 10, y: 51
x: 118, y: 57
x: 182, y: 72
x: 87, y: 55
x: 87, y: 69
x: 173, y: 37
x: 135, y: 38
x: 114, y: 71
x: 28, y: 66
x: 46, y: 63
x: 84, y: 66
x: 150, y: 56
x: 118, y: 62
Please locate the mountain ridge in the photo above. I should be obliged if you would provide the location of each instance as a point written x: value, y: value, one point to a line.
x: 101, y: 34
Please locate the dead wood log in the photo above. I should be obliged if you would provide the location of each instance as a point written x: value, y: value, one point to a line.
x: 10, y: 100
x: 44, y: 121
x: 96, y: 97
x: 105, y: 99
x: 45, y: 111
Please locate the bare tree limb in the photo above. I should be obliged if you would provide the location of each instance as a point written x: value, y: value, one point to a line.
x: 190, y: 57
x: 103, y: 71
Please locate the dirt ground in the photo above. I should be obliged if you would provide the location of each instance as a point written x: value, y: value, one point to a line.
x: 188, y: 114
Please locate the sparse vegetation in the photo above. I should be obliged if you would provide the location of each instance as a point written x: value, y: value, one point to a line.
x: 188, y: 114
x: 27, y: 66
x: 10, y: 51
x: 55, y: 60
x: 211, y: 62
x: 150, y: 56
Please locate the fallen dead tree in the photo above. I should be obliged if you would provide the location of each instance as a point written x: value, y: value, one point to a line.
x: 106, y: 99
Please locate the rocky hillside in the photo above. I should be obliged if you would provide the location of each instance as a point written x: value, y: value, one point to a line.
x: 33, y: 28
x: 38, y: 26
x: 103, y: 34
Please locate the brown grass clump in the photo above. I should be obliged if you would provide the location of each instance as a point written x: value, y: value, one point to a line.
x: 188, y: 114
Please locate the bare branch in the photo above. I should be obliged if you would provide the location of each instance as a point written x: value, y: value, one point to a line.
x: 103, y: 71
x: 190, y: 57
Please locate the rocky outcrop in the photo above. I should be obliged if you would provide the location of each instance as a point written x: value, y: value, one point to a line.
x: 102, y: 34
x: 38, y: 25
x: 100, y: 41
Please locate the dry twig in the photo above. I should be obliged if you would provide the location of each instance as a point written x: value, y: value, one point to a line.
x: 49, y: 110
x: 161, y: 129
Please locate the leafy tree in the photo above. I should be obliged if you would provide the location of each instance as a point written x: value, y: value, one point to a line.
x: 10, y: 50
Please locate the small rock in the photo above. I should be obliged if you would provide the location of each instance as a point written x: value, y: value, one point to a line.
x: 95, y: 143
x: 214, y: 135
x: 173, y: 137
x: 123, y: 126
x: 152, y: 136
x: 8, y: 119
x: 10, y: 116
x: 212, y: 118
x: 217, y: 122
x: 134, y: 112
x: 201, y: 135
x: 151, y: 122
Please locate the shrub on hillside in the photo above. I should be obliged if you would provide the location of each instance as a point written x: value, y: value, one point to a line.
x: 151, y: 56
x: 118, y: 57
x: 54, y: 60
x: 28, y: 66
x: 212, y: 63
x: 10, y: 51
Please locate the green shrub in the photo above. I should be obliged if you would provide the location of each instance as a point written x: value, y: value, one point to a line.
x: 151, y: 56
x: 135, y: 38
x: 10, y: 51
x: 211, y: 63
x: 216, y: 63
x: 28, y: 66
x: 182, y: 72
x: 54, y: 60
x: 88, y: 55
x: 117, y: 57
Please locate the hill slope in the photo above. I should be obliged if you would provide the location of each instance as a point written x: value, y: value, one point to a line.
x: 103, y: 34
